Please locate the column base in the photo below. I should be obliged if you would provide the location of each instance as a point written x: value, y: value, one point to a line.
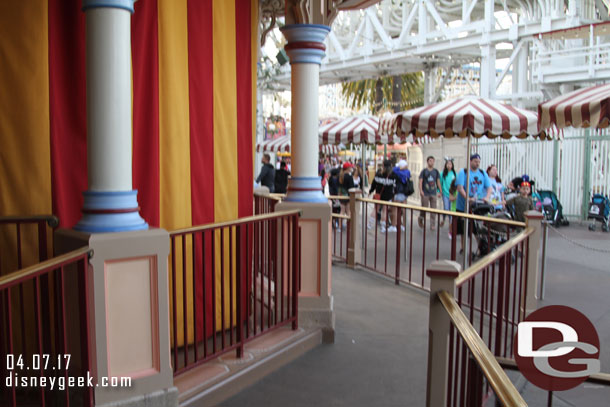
x: 110, y: 211
x: 315, y: 296
x: 129, y: 312
x: 305, y: 189
x: 323, y: 317
x: 161, y: 398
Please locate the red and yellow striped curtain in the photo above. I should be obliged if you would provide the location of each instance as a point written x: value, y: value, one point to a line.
x: 194, y: 79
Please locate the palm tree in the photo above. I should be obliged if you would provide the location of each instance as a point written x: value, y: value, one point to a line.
x: 395, y: 93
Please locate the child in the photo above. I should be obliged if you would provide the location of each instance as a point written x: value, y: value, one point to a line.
x: 522, y: 202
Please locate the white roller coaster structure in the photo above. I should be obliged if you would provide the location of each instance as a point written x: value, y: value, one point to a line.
x: 544, y: 46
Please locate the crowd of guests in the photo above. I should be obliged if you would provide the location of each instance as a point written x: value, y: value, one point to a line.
x: 393, y: 183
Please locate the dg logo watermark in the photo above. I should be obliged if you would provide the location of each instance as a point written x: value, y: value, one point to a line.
x: 557, y: 348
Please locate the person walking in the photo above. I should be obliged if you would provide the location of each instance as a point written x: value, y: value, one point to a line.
x: 429, y: 190
x: 447, y: 177
x: 383, y: 188
x: 404, y: 187
x: 497, y: 189
x: 480, y: 188
x: 346, y: 182
x: 281, y: 179
x: 267, y: 174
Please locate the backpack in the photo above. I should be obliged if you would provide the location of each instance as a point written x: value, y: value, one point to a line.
x: 409, y: 187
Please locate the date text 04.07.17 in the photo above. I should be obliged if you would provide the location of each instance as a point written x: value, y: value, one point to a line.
x: 37, y: 362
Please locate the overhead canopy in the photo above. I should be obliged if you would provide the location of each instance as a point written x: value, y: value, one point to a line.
x: 355, y: 130
x: 468, y: 116
x: 282, y: 145
x: 589, y: 107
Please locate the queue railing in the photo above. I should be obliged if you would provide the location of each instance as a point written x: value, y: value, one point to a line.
x: 25, y: 240
x: 44, y: 332
x: 230, y: 283
x: 403, y: 252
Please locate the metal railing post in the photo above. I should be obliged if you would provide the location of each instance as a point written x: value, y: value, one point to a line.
x: 545, y: 236
x: 533, y: 219
x: 442, y: 275
x: 355, y: 233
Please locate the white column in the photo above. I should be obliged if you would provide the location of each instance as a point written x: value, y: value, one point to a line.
x: 488, y: 71
x: 305, y: 120
x: 305, y: 49
x: 109, y: 99
x: 110, y: 204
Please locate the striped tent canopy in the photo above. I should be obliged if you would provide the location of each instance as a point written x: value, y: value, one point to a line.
x: 588, y: 107
x: 469, y: 116
x: 282, y: 145
x: 390, y: 131
x: 354, y: 130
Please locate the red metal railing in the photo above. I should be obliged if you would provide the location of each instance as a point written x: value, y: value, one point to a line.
x: 341, y: 226
x: 474, y: 373
x: 404, y: 253
x: 265, y: 203
x: 492, y: 294
x: 25, y: 240
x: 341, y: 229
x: 230, y: 283
x: 46, y: 332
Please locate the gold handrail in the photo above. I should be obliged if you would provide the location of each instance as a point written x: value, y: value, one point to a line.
x: 23, y: 274
x: 444, y: 212
x: 339, y: 216
x: 497, y: 378
x: 51, y: 220
x: 492, y: 257
x: 270, y: 195
x: 339, y: 197
x: 236, y: 222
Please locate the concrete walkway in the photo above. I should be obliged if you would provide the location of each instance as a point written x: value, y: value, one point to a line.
x: 379, y: 356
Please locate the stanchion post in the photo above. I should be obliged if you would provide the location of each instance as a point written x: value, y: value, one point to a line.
x: 355, y: 233
x: 442, y: 275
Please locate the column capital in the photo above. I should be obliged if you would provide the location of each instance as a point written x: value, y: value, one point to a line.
x: 305, y: 42
x: 122, y: 4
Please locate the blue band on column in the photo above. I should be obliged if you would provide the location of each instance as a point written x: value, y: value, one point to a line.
x: 304, y: 33
x: 110, y: 211
x: 305, y: 189
x: 305, y: 56
x: 122, y: 4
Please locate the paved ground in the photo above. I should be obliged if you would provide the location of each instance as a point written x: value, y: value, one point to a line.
x: 379, y: 357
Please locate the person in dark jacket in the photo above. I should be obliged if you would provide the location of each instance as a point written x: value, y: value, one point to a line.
x: 267, y: 175
x: 281, y: 179
x: 383, y: 188
x: 333, y: 182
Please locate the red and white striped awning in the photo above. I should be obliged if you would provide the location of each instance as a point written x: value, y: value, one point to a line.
x: 282, y: 145
x: 469, y: 116
x: 390, y: 129
x: 589, y: 107
x: 356, y: 130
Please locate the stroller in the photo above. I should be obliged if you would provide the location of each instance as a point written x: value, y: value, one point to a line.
x: 599, y: 210
x: 551, y: 208
x: 489, y: 235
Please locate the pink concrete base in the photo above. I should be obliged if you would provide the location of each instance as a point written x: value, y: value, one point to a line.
x: 272, y: 340
x: 200, y: 376
x: 232, y: 359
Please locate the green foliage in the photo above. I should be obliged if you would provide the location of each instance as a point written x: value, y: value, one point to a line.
x: 382, y: 94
